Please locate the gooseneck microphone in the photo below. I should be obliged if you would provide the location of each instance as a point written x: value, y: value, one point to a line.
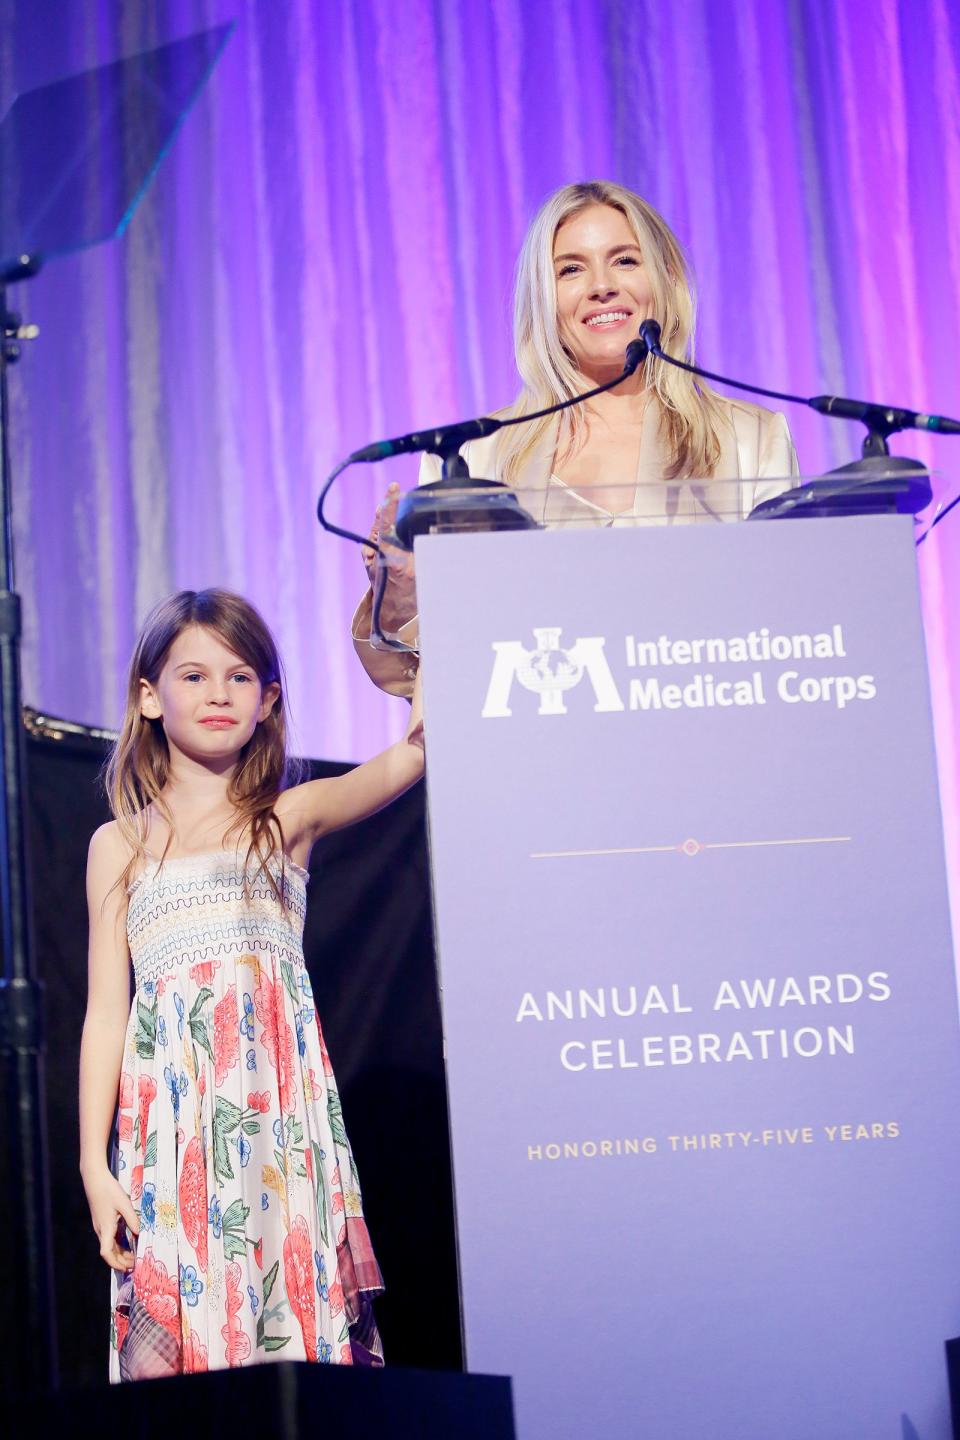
x: 880, y: 420
x: 876, y: 483
x: 457, y: 500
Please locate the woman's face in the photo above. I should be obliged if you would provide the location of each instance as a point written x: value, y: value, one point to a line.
x: 602, y: 289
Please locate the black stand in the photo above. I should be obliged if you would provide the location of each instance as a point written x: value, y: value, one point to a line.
x: 31, y: 1345
x: 75, y: 158
x: 459, y: 502
x: 877, y: 484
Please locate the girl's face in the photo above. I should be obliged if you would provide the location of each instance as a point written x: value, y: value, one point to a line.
x: 210, y: 701
x: 603, y: 293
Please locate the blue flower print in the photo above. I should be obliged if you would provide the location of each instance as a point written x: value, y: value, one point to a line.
x: 305, y: 987
x: 162, y: 1033
x: 251, y: 1059
x: 191, y: 1286
x: 215, y: 1217
x: 148, y: 988
x: 148, y: 1206
x: 301, y: 1043
x: 278, y: 1131
x: 264, y: 1201
x: 178, y: 1002
x: 320, y: 1263
x: 254, y: 1302
x: 243, y: 1145
x: 324, y: 1351
x: 246, y: 1024
x: 177, y: 1085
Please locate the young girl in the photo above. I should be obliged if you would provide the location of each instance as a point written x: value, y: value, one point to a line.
x: 232, y: 1218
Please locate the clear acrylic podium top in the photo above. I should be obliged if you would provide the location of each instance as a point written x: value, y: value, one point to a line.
x: 477, y: 505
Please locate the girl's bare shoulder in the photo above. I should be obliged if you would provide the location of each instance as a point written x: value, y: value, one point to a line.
x: 109, y: 852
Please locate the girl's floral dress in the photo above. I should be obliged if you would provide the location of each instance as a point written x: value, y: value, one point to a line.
x: 231, y: 1143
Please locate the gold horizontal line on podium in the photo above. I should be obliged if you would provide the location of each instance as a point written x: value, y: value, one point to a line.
x: 692, y: 847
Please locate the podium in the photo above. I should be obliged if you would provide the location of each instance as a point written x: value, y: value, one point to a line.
x: 697, y: 976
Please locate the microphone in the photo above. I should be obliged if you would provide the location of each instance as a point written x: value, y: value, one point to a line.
x: 444, y: 439
x: 456, y: 500
x: 447, y: 439
x: 650, y: 333
x: 882, y: 417
x: 880, y: 420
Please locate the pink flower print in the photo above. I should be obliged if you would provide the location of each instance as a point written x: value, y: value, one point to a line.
x: 121, y: 1321
x: 136, y: 1182
x: 346, y: 1355
x: 158, y: 1292
x: 146, y: 1094
x: 202, y: 1083
x: 327, y: 1067
x: 194, y: 1354
x: 237, y: 1343
x: 125, y: 1127
x: 259, y: 1100
x: 308, y: 1164
x: 258, y: 1253
x: 336, y: 1297
x: 298, y: 1278
x: 126, y: 1090
x: 193, y: 1200
x: 278, y: 1038
x: 226, y: 1035
x: 203, y: 973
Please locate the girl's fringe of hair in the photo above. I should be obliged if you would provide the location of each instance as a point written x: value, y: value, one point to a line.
x: 139, y: 765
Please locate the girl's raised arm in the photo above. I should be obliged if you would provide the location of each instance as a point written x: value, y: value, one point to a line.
x: 320, y: 806
x: 101, y: 1049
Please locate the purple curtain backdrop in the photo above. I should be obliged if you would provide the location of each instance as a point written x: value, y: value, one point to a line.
x: 326, y: 255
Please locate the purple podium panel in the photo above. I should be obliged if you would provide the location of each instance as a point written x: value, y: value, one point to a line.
x: 698, y: 985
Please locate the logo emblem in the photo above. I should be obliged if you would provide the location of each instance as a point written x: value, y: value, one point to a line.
x: 549, y: 671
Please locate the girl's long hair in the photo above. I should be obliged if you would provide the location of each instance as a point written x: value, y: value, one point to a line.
x: 690, y: 412
x: 139, y: 766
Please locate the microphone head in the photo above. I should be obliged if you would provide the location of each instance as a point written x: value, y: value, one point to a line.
x: 636, y: 354
x: 650, y: 333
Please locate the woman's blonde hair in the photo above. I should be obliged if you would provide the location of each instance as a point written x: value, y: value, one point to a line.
x: 139, y: 765
x: 689, y: 412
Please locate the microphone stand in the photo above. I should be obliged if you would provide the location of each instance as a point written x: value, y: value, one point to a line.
x: 33, y: 1357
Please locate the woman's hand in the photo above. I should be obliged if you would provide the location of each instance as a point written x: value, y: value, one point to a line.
x: 400, y: 594
x: 415, y: 728
x: 110, y: 1206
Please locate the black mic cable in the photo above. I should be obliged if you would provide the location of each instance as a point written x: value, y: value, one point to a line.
x: 447, y: 440
x: 881, y: 419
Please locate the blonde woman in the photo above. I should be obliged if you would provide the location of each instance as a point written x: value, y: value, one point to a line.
x: 596, y: 262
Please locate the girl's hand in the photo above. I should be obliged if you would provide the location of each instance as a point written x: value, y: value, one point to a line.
x: 400, y: 595
x: 110, y: 1206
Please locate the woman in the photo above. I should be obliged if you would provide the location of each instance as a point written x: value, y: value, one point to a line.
x: 598, y: 261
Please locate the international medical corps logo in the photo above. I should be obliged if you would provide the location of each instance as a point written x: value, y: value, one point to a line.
x: 549, y: 671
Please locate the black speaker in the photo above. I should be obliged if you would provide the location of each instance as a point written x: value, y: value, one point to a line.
x: 953, y: 1375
